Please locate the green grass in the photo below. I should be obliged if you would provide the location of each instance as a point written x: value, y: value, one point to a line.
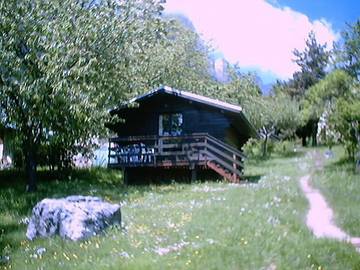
x: 341, y: 186
x: 210, y: 225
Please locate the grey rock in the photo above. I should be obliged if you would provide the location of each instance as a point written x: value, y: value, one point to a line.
x: 73, y: 217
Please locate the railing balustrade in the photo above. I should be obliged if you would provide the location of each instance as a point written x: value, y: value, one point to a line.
x: 193, y: 149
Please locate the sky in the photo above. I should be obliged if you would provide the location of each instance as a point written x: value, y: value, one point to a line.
x: 261, y: 35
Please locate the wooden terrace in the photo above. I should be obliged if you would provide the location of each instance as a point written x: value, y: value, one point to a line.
x: 197, y: 150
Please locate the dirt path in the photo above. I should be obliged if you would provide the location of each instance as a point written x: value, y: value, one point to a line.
x: 320, y: 218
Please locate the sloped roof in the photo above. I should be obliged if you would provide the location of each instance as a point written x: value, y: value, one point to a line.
x: 237, y: 110
x: 187, y: 95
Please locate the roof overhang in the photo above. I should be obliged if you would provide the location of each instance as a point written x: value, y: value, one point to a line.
x: 215, y: 103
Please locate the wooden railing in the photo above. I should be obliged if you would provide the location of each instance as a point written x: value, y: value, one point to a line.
x: 193, y: 149
x: 224, y: 155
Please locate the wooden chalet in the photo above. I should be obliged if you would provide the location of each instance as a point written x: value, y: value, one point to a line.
x: 167, y: 134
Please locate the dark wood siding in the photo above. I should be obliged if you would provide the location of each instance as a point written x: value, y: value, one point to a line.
x: 144, y: 120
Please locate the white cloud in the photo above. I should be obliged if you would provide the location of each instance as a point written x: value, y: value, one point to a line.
x: 254, y: 33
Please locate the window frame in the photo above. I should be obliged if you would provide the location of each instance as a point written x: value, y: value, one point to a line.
x: 174, y: 129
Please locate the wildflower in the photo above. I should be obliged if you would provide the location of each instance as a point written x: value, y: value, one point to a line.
x: 40, y: 251
x: 210, y: 241
x: 66, y: 257
x: 124, y: 254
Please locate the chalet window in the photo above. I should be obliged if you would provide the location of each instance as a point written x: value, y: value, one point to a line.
x: 170, y: 124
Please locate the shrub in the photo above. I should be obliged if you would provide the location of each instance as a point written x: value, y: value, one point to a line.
x: 284, y: 148
x: 253, y: 149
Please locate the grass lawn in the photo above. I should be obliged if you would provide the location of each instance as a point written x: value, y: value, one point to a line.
x: 259, y: 225
x: 341, y: 186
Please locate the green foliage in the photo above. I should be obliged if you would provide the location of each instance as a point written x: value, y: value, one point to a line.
x: 63, y: 64
x: 348, y: 52
x: 254, y: 148
x: 286, y: 114
x: 324, y: 94
x: 285, y: 148
x: 277, y: 113
x: 313, y: 62
x: 180, y: 59
x: 335, y: 100
x: 346, y: 121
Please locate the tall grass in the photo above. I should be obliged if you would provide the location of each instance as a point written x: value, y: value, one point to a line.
x: 211, y: 225
x: 341, y: 185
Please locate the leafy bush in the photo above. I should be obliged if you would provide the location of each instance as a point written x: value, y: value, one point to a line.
x: 284, y: 148
x: 253, y: 149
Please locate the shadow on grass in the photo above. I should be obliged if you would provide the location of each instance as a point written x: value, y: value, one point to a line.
x: 292, y: 154
x: 345, y: 164
x: 9, y: 237
x: 252, y: 178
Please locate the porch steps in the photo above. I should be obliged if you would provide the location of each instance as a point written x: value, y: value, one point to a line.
x: 231, y: 177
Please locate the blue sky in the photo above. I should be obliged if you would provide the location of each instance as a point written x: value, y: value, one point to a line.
x: 337, y: 12
x: 260, y: 35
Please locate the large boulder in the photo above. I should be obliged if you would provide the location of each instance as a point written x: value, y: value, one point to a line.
x: 73, y: 217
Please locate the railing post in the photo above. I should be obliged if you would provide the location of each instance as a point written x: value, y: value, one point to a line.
x: 205, y: 150
x: 234, y: 166
x: 160, y: 144
x: 109, y: 152
x: 155, y: 149
x: 193, y: 173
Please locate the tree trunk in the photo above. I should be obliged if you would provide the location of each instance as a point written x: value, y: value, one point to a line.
x: 303, y: 140
x: 314, y: 133
x: 265, y: 146
x: 30, y: 167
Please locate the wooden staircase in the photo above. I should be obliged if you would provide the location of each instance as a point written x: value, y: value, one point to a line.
x: 224, y: 159
x: 223, y: 172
